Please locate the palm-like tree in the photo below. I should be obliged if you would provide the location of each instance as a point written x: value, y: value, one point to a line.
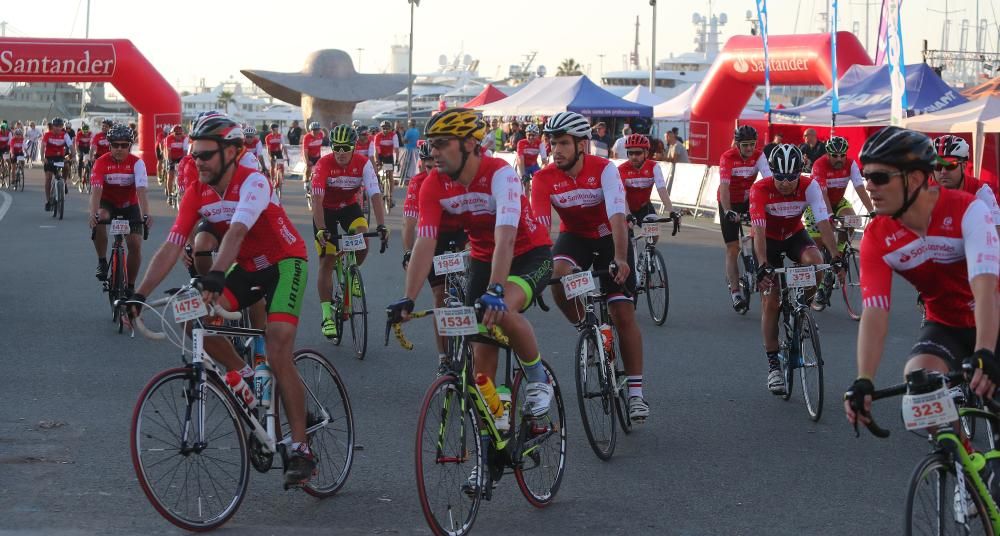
x: 224, y: 100
x: 569, y: 67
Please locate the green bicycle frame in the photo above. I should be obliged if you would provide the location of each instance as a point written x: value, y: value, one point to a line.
x: 973, y: 464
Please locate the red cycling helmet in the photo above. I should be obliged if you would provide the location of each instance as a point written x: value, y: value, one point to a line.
x: 637, y: 141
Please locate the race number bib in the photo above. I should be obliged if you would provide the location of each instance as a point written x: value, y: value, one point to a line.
x: 456, y: 321
x: 20, y: 158
x: 929, y: 410
x: 188, y: 305
x: 353, y: 243
x: 651, y: 230
x: 800, y: 276
x: 119, y: 227
x: 6, y: 156
x: 578, y: 284
x: 853, y: 221
x: 746, y: 245
x: 448, y: 263
x: 59, y: 164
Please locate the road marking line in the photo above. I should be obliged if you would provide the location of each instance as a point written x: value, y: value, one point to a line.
x: 7, y: 200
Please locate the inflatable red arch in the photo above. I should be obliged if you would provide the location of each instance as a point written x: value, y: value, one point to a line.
x: 795, y: 60
x: 97, y: 60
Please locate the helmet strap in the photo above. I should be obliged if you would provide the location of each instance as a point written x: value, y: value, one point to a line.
x: 465, y: 158
x: 907, y: 200
x: 225, y: 165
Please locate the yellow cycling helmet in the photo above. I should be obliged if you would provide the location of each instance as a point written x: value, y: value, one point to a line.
x: 458, y: 122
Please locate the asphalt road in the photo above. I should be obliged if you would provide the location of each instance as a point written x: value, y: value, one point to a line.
x: 718, y: 456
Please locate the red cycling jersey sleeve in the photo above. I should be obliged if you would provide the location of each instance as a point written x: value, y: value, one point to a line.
x: 541, y: 205
x: 411, y: 208
x: 507, y: 191
x: 429, y: 219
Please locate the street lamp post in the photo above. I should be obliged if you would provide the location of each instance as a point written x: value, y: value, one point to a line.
x: 409, y: 70
x: 652, y: 57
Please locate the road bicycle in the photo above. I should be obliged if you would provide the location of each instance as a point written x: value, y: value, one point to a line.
x: 193, y: 440
x: 799, y: 338
x: 17, y: 180
x: 454, y: 471
x: 850, y: 287
x: 85, y: 169
x: 747, y: 263
x: 650, y: 268
x: 938, y: 500
x: 278, y: 164
x: 601, y: 383
x: 385, y: 181
x: 349, y: 302
x: 58, y: 191
x: 116, y: 284
x: 170, y: 186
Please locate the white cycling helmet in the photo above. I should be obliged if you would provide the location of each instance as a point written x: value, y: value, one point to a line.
x: 531, y: 129
x: 786, y: 160
x: 949, y: 145
x: 570, y: 123
x: 249, y: 132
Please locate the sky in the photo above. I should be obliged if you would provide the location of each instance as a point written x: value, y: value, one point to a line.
x: 188, y: 40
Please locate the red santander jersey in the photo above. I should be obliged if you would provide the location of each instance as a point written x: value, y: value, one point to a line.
x: 834, y: 181
x: 961, y: 243
x: 56, y: 145
x: 101, y: 144
x: 584, y: 203
x: 273, y: 142
x: 82, y: 140
x: 175, y: 146
x: 17, y: 145
x: 494, y: 198
x: 740, y: 173
x: 362, y: 147
x: 118, y: 180
x: 386, y: 144
x: 339, y: 186
x: 5, y: 140
x: 530, y: 151
x: 781, y: 215
x: 249, y: 200
x: 639, y: 183
x: 411, y: 207
x: 312, y: 146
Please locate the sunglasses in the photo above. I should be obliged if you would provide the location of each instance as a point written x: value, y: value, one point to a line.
x: 946, y: 165
x: 635, y: 153
x: 837, y: 155
x: 204, y: 156
x: 786, y: 177
x: 880, y: 178
x: 120, y: 145
x: 746, y: 144
x: 342, y: 148
x: 440, y: 143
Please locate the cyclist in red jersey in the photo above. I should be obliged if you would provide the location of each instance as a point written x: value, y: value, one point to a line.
x: 100, y: 141
x: 386, y: 147
x: 776, y: 207
x: 312, y: 147
x: 639, y: 175
x: 449, y: 232
x: 738, y: 169
x: 949, y: 172
x: 276, y: 150
x: 588, y: 194
x: 175, y: 146
x: 253, y: 146
x: 336, y: 181
x: 82, y: 142
x: 119, y: 183
x: 161, y: 135
x: 5, y: 136
x: 56, y: 146
x: 17, y: 144
x: 510, y: 257
x: 364, y: 145
x: 269, y: 257
x: 529, y: 151
x: 945, y: 244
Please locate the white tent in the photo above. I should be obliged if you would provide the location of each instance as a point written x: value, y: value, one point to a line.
x: 642, y: 95
x: 549, y: 96
x: 677, y: 108
x: 978, y: 117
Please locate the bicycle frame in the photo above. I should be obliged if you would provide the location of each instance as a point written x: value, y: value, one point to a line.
x: 946, y: 440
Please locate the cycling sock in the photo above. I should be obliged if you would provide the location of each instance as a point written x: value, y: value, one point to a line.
x: 534, y: 371
x: 258, y: 346
x: 300, y: 446
x: 327, y: 310
x: 103, y: 261
x: 635, y: 386
x: 442, y: 357
x: 246, y: 371
x: 772, y: 359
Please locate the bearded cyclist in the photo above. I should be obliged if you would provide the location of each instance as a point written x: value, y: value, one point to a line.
x: 639, y: 175
x: 336, y: 181
x: 945, y: 244
x: 510, y: 257
x: 588, y: 194
x: 738, y: 169
x: 949, y: 171
x: 269, y: 257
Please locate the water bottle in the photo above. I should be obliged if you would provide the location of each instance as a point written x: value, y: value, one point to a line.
x: 503, y: 421
x: 490, y: 395
x: 241, y: 389
x: 262, y: 383
x: 607, y: 338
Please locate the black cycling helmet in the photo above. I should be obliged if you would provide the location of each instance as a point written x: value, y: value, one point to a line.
x: 107, y: 122
x: 903, y: 149
x: 119, y: 132
x: 58, y: 122
x: 223, y: 130
x: 745, y: 133
x: 274, y: 126
x: 424, y: 152
x: 836, y: 145
x: 786, y: 160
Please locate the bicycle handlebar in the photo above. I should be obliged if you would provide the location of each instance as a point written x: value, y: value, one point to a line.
x: 677, y: 221
x: 337, y: 236
x: 145, y: 226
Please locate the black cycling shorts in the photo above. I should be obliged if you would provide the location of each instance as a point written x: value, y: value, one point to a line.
x: 130, y: 213
x: 952, y: 344
x: 530, y: 270
x: 313, y: 160
x: 283, y: 285
x: 205, y: 226
x: 277, y: 156
x: 643, y: 211
x: 730, y: 230
x: 159, y: 154
x: 389, y: 160
x: 597, y: 253
x: 443, y: 241
x: 82, y: 151
x: 50, y: 163
x: 792, y: 247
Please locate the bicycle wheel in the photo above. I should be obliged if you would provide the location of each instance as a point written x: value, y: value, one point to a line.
x: 930, y: 501
x: 540, y: 444
x: 359, y: 315
x: 621, y: 388
x: 791, y: 349
x: 196, y: 483
x: 810, y: 365
x: 851, y: 288
x: 657, y: 288
x: 595, y: 395
x: 20, y: 179
x: 448, y: 449
x: 332, y: 443
x: 747, y: 271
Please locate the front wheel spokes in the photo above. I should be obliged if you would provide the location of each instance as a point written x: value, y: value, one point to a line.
x: 595, y: 394
x: 449, y: 458
x: 810, y: 365
x: 359, y: 313
x: 851, y: 289
x: 189, y: 450
x: 542, y: 461
x: 932, y: 506
x: 657, y: 288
